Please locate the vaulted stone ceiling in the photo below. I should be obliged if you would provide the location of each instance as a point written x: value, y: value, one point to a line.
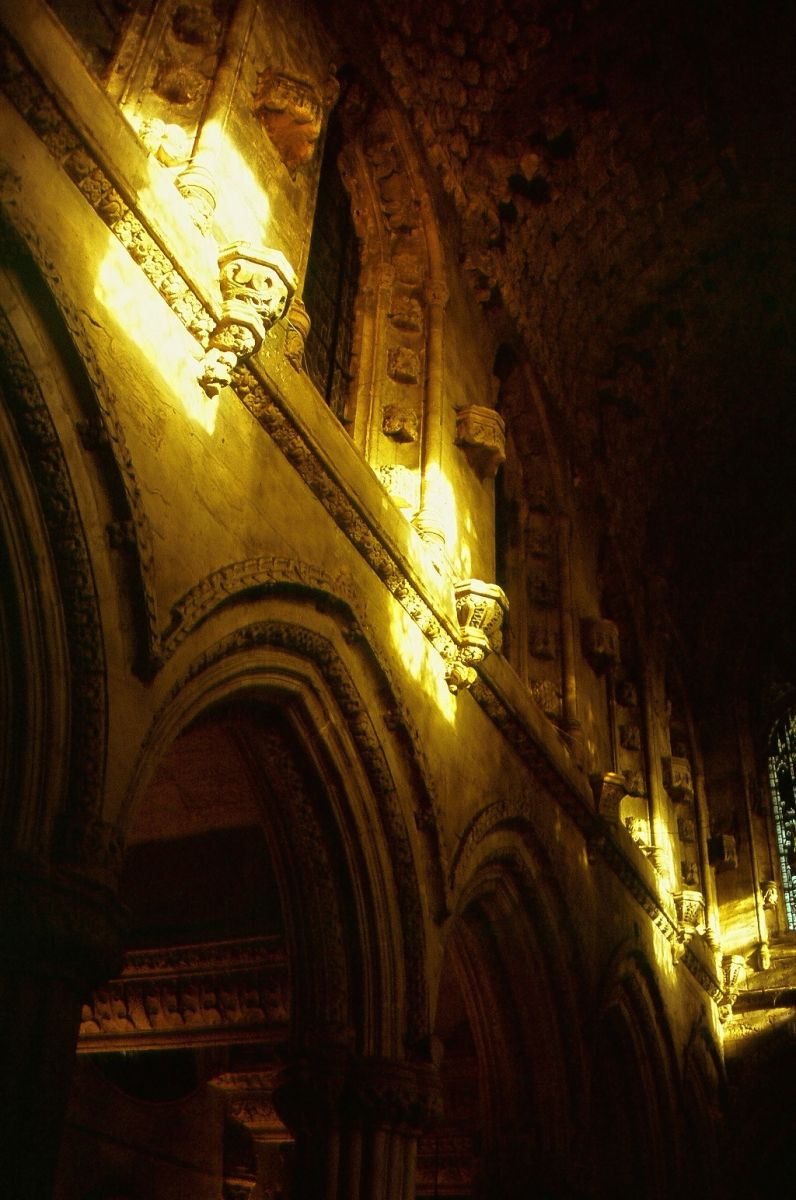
x: 621, y: 175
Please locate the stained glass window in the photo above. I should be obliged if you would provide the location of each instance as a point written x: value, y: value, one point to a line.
x: 782, y: 773
x: 331, y: 283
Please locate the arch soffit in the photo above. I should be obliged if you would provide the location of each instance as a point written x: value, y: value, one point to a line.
x: 631, y: 992
x: 300, y: 670
x: 63, y: 601
x: 511, y: 876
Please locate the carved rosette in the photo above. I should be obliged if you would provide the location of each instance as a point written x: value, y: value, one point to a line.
x: 600, y: 639
x: 677, y: 777
x: 481, y: 432
x: 480, y: 608
x: 257, y: 285
x: 690, y: 908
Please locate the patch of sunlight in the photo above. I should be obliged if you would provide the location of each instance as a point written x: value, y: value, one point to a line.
x: 440, y: 499
x: 140, y: 315
x: 422, y: 661
x: 242, y: 208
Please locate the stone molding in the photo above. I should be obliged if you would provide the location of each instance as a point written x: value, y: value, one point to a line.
x: 317, y: 649
x: 58, y: 924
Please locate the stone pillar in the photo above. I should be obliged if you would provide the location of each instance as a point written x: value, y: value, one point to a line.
x: 59, y: 935
x: 356, y: 1124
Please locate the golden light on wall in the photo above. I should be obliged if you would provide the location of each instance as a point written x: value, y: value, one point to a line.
x: 132, y: 305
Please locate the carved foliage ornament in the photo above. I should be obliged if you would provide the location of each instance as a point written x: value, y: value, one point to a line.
x: 292, y: 112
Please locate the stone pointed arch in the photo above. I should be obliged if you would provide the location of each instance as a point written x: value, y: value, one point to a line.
x: 333, y: 819
x: 517, y: 967
x: 634, y: 1084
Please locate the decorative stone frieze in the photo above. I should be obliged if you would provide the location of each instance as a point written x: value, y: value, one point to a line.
x: 292, y: 112
x: 219, y: 992
x: 480, y: 608
x: 257, y: 284
x: 600, y: 640
x: 481, y: 432
x: 677, y: 779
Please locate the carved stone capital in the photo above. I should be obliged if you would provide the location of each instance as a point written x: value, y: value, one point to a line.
x: 481, y: 432
x: 600, y: 639
x: 480, y: 608
x: 257, y: 285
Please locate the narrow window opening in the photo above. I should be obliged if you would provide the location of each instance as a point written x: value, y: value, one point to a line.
x: 782, y: 775
x: 330, y: 286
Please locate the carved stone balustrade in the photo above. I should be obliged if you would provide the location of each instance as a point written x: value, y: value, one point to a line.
x: 257, y: 285
x: 481, y: 432
x: 600, y: 639
x: 208, y: 994
x: 480, y: 608
x: 677, y: 779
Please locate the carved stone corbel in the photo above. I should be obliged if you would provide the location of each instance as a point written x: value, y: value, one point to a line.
x: 609, y: 792
x: 292, y: 112
x: 690, y: 908
x: 677, y: 778
x: 480, y: 608
x: 257, y: 285
x: 733, y: 968
x: 481, y: 432
x: 600, y: 638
